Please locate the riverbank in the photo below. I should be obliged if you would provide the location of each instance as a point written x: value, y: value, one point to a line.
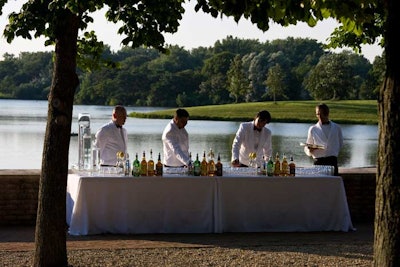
x: 343, y: 111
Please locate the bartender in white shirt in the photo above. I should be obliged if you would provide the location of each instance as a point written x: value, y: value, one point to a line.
x: 175, y: 140
x: 112, y: 137
x: 327, y: 134
x: 252, y: 137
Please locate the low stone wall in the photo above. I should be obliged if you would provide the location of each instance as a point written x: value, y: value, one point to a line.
x: 19, y: 195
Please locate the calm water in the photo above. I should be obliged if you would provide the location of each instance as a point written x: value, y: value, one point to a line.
x: 23, y: 124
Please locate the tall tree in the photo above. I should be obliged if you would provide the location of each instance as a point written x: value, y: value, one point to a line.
x: 375, y: 76
x: 331, y: 79
x: 362, y: 22
x: 215, y: 69
x: 275, y: 82
x: 238, y: 85
x: 142, y: 23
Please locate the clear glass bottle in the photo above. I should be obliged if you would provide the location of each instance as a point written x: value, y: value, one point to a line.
x: 190, y: 166
x: 120, y: 164
x: 263, y: 166
x: 127, y: 166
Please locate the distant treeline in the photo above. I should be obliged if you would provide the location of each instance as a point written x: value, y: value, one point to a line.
x: 232, y: 71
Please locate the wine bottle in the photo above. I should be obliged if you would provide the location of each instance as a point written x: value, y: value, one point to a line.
x: 292, y: 167
x: 159, y: 166
x: 197, y: 166
x: 136, y: 166
x: 218, y: 166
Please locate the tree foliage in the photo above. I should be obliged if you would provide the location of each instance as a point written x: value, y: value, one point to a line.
x: 134, y: 78
x: 275, y: 82
x: 331, y: 79
x: 238, y: 84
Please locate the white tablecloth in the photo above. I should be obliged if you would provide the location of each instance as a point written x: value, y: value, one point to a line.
x: 141, y: 205
x: 282, y: 205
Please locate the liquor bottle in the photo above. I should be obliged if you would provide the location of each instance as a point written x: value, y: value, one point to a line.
x: 218, y: 166
x: 263, y: 167
x: 211, y: 164
x: 136, y: 166
x: 270, y: 167
x: 204, y: 166
x: 190, y: 165
x: 197, y: 166
x: 159, y: 166
x: 277, y: 165
x: 150, y: 165
x: 143, y: 165
x: 292, y: 167
x: 127, y: 166
x: 285, y: 166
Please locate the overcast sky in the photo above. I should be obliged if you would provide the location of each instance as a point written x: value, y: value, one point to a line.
x: 195, y: 30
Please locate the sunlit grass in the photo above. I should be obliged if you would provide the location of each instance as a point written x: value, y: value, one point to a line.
x: 345, y: 111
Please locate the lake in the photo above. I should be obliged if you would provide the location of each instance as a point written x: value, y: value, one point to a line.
x: 23, y: 124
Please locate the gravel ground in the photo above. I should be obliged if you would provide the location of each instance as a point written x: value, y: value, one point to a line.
x: 304, y: 255
x: 239, y: 249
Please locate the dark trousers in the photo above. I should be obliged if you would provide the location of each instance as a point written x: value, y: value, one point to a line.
x: 331, y: 161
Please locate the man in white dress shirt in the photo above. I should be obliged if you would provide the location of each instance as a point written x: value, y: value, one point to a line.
x: 175, y: 140
x: 327, y: 134
x: 252, y: 137
x: 112, y: 137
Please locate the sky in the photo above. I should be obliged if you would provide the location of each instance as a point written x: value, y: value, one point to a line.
x: 195, y: 30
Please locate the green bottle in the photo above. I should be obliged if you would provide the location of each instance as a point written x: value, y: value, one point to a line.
x: 136, y: 166
x: 197, y: 166
x: 270, y: 167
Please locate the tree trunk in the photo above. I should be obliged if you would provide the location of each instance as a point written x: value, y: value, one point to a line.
x: 387, y: 204
x: 50, y: 234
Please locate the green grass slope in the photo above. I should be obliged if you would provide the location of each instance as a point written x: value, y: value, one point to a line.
x: 344, y: 111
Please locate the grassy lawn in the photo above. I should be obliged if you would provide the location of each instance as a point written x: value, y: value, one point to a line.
x: 344, y: 111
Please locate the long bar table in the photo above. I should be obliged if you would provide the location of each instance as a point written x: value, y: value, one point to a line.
x: 183, y: 204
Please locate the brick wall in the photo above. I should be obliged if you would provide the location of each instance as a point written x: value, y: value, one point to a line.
x: 19, y: 194
x: 360, y: 191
